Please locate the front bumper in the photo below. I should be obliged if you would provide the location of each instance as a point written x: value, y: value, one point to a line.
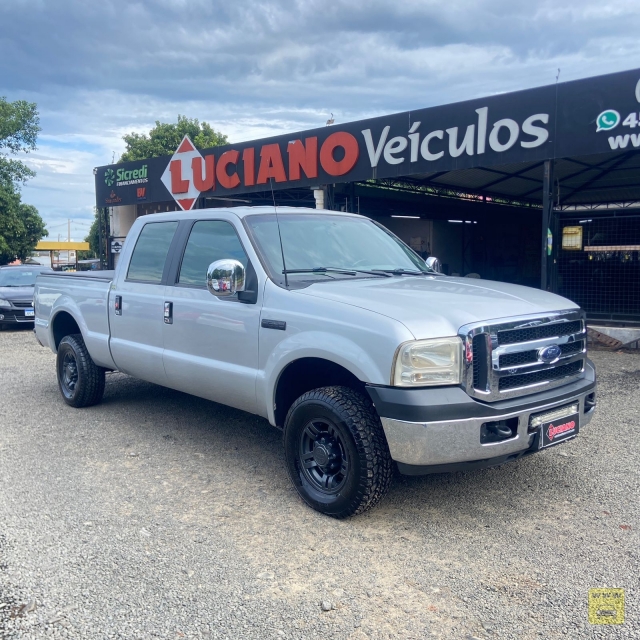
x: 437, y: 430
x: 13, y: 316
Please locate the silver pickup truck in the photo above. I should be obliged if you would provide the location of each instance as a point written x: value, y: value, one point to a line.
x: 336, y: 332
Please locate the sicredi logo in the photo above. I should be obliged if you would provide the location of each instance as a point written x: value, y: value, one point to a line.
x: 125, y: 177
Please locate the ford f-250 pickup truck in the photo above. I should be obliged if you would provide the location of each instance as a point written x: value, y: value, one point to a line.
x: 335, y: 331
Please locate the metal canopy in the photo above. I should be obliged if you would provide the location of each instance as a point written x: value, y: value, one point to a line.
x: 494, y: 147
x: 594, y: 180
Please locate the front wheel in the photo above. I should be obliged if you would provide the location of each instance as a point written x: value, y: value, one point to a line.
x: 336, y: 452
x: 80, y: 379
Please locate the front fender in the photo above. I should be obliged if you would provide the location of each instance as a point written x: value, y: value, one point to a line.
x: 315, y: 344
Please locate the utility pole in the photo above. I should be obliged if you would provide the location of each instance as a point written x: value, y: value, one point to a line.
x: 99, y: 214
x: 547, y: 211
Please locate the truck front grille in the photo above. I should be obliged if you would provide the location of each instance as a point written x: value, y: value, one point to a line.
x: 528, y: 357
x: 529, y: 379
x: 529, y: 334
x: 511, y: 357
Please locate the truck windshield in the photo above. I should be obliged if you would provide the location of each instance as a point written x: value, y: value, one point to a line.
x: 322, y: 244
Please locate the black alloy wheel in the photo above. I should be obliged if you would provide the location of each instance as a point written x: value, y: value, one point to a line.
x: 80, y: 379
x: 336, y: 451
x: 69, y: 377
x: 324, y: 457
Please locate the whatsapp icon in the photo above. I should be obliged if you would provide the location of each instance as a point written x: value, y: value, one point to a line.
x: 607, y: 120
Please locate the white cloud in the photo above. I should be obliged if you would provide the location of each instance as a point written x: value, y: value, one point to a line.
x: 255, y: 69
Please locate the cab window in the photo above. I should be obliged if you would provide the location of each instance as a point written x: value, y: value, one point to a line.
x: 151, y: 251
x: 209, y: 240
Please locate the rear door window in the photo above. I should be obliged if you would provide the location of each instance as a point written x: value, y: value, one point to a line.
x: 151, y: 251
x: 210, y: 240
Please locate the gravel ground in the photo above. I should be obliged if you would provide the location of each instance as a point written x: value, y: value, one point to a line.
x: 159, y: 515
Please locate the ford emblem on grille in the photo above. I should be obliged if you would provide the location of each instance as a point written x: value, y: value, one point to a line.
x: 549, y: 354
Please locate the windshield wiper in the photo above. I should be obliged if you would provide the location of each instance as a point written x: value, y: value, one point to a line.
x: 347, y: 272
x: 407, y: 272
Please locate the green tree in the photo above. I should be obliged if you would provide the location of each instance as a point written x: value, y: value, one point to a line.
x: 21, y: 227
x: 20, y: 224
x: 165, y: 137
x: 93, y: 238
x: 19, y: 128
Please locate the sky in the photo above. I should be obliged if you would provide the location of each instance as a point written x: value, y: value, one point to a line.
x: 98, y: 70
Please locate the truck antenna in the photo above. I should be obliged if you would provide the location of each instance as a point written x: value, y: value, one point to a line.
x: 275, y: 208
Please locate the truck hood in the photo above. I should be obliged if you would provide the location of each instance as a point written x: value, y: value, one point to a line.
x: 437, y: 306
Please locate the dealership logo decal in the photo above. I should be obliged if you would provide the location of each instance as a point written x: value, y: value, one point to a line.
x: 552, y: 431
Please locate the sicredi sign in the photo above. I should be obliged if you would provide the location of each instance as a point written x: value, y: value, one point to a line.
x: 556, y: 121
x: 124, y: 177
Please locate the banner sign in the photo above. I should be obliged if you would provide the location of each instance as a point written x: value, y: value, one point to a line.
x: 583, y: 117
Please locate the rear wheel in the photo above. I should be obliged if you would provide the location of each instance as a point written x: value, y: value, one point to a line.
x: 80, y: 379
x: 336, y: 452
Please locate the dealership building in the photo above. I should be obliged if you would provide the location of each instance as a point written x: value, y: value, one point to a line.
x: 539, y: 187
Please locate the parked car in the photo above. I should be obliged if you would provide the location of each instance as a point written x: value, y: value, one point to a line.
x: 335, y: 331
x: 17, y: 284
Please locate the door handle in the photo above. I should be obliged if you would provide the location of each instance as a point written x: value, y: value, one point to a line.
x: 118, y: 305
x: 168, y: 312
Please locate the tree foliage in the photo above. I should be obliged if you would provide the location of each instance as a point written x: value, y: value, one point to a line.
x: 21, y: 227
x: 165, y: 137
x: 93, y: 238
x: 19, y: 128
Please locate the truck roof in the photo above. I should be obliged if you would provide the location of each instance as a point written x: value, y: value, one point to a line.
x: 242, y: 212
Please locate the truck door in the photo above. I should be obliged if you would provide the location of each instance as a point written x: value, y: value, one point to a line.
x: 136, y: 305
x: 211, y: 344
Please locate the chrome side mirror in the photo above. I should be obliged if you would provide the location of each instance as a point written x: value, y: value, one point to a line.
x: 225, y: 278
x: 434, y: 263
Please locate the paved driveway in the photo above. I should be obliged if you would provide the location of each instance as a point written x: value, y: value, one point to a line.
x: 159, y: 515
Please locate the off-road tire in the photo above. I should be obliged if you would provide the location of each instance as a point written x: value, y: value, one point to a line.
x: 88, y: 387
x: 360, y: 436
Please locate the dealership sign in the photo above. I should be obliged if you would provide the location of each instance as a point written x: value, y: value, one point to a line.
x: 557, y: 121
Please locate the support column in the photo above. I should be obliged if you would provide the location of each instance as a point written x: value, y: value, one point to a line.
x: 320, y: 195
x: 547, y: 207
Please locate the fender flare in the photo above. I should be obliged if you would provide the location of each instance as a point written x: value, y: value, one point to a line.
x: 336, y: 349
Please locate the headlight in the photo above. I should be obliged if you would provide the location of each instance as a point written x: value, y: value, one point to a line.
x: 428, y: 363
x: 5, y: 303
